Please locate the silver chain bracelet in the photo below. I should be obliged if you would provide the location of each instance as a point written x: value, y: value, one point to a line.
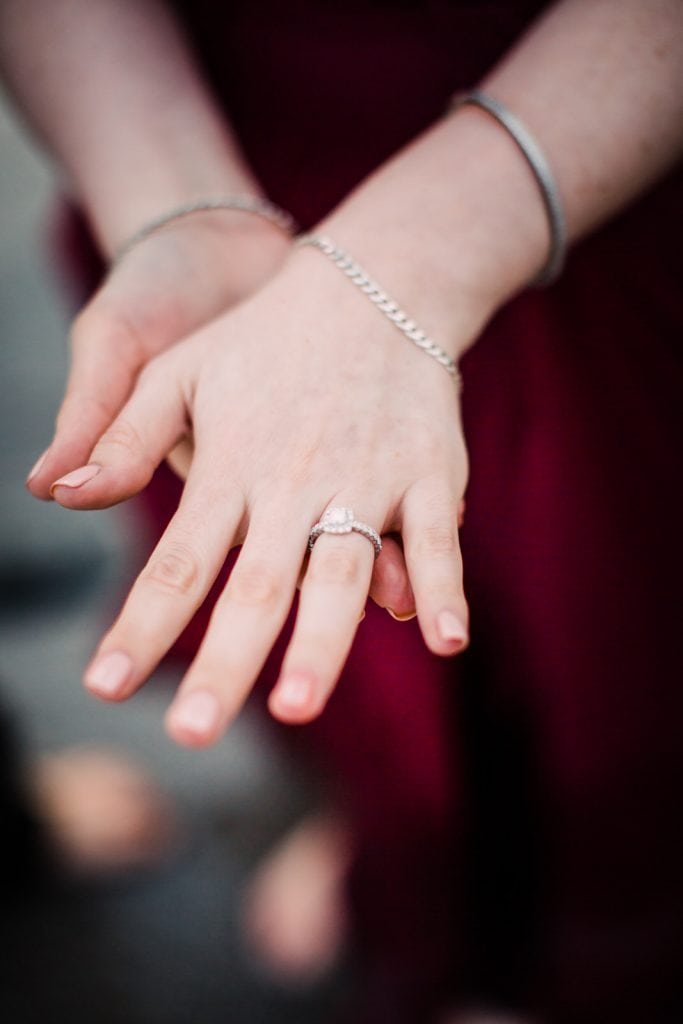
x: 358, y: 276
x: 244, y: 203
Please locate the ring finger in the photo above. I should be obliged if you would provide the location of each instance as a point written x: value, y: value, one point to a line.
x: 333, y: 596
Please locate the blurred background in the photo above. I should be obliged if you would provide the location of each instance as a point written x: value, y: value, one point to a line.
x: 137, y: 916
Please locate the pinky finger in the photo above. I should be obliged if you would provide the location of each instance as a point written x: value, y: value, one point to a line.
x: 434, y: 562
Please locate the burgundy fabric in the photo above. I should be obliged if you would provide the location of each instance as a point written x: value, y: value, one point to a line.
x: 517, y: 808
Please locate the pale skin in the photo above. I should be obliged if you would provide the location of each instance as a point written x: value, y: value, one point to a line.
x: 303, y: 395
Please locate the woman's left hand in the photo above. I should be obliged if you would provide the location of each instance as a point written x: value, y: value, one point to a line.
x: 302, y: 398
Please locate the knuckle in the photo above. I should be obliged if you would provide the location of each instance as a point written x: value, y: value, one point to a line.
x: 79, y: 406
x: 254, y: 585
x: 192, y: 521
x: 121, y: 434
x: 441, y: 539
x: 335, y: 565
x: 437, y: 539
x: 175, y: 570
x: 104, y: 321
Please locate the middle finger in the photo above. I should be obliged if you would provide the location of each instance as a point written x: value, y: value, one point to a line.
x: 244, y: 626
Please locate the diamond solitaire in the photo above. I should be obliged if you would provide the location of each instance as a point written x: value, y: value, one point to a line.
x: 342, y: 520
x: 337, y: 520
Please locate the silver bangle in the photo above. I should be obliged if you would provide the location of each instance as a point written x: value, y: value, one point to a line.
x: 358, y: 276
x: 534, y: 156
x: 244, y: 203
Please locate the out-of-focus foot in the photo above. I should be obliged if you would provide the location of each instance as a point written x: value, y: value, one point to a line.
x: 294, y: 910
x: 101, y: 812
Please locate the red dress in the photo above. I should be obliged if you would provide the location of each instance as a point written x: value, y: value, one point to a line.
x: 517, y: 806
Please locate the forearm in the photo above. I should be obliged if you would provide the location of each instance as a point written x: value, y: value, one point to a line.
x: 110, y: 87
x: 457, y: 219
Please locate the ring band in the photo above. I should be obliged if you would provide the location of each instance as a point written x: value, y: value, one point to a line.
x: 342, y: 520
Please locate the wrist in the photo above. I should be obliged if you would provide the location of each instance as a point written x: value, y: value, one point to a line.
x: 249, y: 248
x: 220, y: 256
x: 451, y: 228
x: 358, y: 276
x: 199, y: 210
x: 349, y: 327
x: 118, y: 207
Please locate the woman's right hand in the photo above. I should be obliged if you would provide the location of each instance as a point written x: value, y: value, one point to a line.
x: 169, y: 285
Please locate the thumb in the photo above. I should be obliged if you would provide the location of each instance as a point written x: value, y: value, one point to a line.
x: 106, y: 357
x: 125, y: 457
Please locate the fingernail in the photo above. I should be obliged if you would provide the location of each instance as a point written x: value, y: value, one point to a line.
x: 77, y: 477
x: 450, y: 628
x: 401, y: 618
x: 108, y: 674
x: 361, y: 616
x: 38, y: 466
x: 295, y: 691
x: 197, y: 712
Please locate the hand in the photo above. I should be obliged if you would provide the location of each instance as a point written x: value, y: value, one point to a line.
x: 301, y: 398
x: 389, y: 585
x: 169, y: 285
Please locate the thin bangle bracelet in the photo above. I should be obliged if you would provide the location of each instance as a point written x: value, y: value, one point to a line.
x: 244, y: 203
x: 535, y: 157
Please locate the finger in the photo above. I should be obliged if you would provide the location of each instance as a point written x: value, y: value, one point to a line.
x: 180, y: 459
x: 125, y: 457
x: 390, y: 587
x: 333, y: 595
x: 432, y: 552
x: 170, y: 588
x: 244, y: 626
x: 106, y: 357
